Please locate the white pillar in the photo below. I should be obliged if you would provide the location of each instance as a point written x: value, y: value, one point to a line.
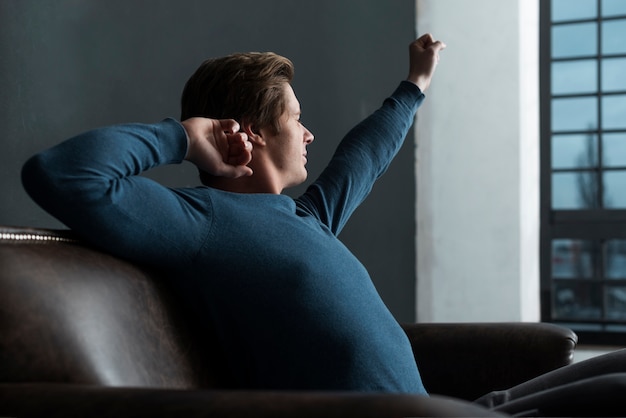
x: 478, y: 164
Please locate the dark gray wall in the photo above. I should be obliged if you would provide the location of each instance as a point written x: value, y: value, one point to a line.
x: 70, y: 65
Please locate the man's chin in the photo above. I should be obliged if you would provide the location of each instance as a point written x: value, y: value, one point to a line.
x: 298, y: 182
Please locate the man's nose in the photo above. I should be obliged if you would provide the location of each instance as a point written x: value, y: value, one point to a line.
x: 308, y: 136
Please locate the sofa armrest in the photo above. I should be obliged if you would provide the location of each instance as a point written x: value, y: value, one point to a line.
x: 468, y: 360
x: 58, y: 400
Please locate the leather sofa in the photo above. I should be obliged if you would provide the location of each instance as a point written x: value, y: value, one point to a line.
x: 83, y: 333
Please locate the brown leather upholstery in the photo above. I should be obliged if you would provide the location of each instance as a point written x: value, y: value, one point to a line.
x: 65, y: 401
x: 469, y: 360
x: 72, y: 314
x: 75, y: 322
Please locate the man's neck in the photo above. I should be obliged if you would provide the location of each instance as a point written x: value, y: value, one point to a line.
x: 252, y: 184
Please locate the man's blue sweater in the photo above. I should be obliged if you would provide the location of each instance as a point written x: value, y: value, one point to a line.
x: 292, y: 307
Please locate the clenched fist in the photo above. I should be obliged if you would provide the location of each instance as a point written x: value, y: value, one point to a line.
x: 423, y: 60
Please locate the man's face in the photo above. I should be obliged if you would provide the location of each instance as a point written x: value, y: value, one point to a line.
x: 287, y: 148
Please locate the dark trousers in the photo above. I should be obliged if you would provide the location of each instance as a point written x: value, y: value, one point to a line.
x: 594, y: 387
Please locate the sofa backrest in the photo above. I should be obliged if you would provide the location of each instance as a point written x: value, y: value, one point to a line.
x: 69, y: 313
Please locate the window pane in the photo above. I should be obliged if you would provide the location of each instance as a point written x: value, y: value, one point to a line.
x: 572, y: 258
x: 574, y: 40
x: 614, y: 74
x: 574, y: 114
x: 614, y: 112
x: 614, y: 187
x: 613, y: 7
x: 573, y: 9
x: 615, y: 256
x: 616, y: 302
x: 574, y: 77
x: 613, y: 35
x: 577, y: 301
x: 614, y: 146
x: 575, y: 190
x: 574, y: 151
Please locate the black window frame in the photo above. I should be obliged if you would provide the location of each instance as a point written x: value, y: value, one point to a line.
x: 597, y: 225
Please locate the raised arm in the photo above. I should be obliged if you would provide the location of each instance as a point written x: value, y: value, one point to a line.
x: 92, y: 184
x: 367, y: 150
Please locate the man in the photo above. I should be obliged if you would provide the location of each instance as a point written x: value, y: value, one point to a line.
x: 291, y: 306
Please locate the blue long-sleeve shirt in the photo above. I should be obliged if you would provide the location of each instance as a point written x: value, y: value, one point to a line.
x: 292, y: 307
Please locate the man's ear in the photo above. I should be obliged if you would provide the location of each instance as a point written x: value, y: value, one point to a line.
x: 254, y: 135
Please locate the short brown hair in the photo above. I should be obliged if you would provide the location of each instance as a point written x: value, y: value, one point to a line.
x: 247, y: 87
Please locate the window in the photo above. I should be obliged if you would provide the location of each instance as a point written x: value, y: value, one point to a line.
x: 583, y: 167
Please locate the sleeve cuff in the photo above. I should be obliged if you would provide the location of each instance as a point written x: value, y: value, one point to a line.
x: 175, y: 141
